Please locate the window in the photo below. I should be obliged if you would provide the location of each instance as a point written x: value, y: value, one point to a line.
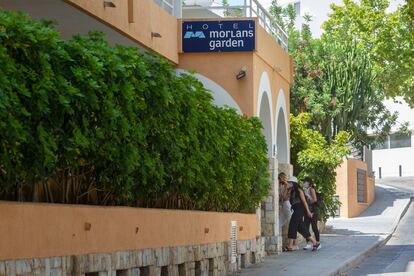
x: 400, y: 141
x: 395, y: 141
x: 297, y: 8
x: 383, y: 145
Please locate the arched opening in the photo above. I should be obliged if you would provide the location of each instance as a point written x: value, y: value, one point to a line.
x: 265, y: 111
x: 282, y: 148
x: 266, y: 118
x: 221, y: 97
x: 282, y: 130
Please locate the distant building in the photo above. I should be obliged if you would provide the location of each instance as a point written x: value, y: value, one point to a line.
x: 395, y: 157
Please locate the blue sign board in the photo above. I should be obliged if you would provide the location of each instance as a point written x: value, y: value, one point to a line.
x: 218, y: 36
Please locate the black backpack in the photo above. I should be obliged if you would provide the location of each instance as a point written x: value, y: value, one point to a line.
x: 319, y: 199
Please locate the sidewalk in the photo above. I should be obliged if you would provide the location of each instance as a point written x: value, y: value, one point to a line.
x: 344, y: 243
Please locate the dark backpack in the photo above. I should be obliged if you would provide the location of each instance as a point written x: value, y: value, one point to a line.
x: 319, y: 199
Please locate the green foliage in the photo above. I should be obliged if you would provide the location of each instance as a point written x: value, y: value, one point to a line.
x: 388, y: 37
x: 312, y: 155
x: 84, y: 122
x: 336, y: 82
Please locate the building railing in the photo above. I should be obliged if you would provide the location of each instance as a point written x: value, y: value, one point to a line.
x: 247, y: 8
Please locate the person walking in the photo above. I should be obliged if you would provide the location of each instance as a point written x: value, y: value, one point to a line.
x: 284, y: 204
x: 312, y: 200
x: 300, y: 209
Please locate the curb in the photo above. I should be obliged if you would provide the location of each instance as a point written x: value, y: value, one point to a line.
x: 356, y: 260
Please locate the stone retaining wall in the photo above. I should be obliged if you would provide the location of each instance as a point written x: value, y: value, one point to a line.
x: 205, y: 260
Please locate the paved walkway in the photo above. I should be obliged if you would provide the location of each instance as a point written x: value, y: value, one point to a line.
x: 344, y: 243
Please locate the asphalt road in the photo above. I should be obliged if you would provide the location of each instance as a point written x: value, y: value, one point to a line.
x: 404, y: 184
x: 396, y: 257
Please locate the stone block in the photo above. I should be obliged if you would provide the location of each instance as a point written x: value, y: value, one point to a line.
x: 65, y: 268
x: 148, y: 257
x: 137, y: 258
x: 241, y: 247
x: 270, y: 217
x: 56, y: 272
x: 211, y: 250
x: 197, y: 253
x: 10, y: 267
x: 253, y: 246
x: 79, y: 263
x: 269, y: 206
x: 162, y: 256
x: 268, y: 229
x: 55, y: 262
x: 122, y: 260
x: 173, y: 270
x: 204, y: 250
x: 155, y: 271
x: 190, y: 254
x: 134, y: 272
x: 23, y: 267
x: 2, y: 268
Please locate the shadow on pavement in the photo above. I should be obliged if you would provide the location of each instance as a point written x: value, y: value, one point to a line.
x: 384, y: 198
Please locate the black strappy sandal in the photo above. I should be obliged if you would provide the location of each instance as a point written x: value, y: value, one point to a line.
x: 287, y: 249
x: 316, y: 247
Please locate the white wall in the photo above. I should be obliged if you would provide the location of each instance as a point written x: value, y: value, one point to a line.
x: 220, y: 96
x: 390, y: 159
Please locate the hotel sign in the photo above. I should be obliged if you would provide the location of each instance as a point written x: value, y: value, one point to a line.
x: 218, y: 36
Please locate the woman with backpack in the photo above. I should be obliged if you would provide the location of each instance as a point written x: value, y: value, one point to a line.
x: 300, y: 210
x: 313, y: 203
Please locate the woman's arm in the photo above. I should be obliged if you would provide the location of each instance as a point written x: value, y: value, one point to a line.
x: 302, y: 197
x: 284, y: 191
x: 314, y: 199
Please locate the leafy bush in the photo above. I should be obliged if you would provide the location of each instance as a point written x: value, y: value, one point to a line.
x: 84, y: 122
x: 313, y: 156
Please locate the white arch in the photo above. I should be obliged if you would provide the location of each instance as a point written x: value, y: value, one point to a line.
x: 220, y: 96
x: 265, y: 90
x: 281, y: 107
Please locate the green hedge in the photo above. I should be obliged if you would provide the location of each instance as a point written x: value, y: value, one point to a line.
x: 84, y: 122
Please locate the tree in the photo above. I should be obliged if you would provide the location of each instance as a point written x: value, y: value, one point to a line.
x: 312, y: 155
x: 388, y: 38
x: 337, y: 84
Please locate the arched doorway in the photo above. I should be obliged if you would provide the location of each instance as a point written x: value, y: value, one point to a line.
x: 220, y: 96
x: 265, y: 111
x: 282, y: 138
x: 265, y: 116
x: 282, y: 149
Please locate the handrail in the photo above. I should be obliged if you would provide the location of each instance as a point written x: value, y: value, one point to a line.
x: 250, y: 8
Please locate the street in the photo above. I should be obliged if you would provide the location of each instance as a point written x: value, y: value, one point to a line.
x: 396, y: 257
x: 404, y: 184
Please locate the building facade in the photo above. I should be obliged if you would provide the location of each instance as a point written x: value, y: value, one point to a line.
x: 244, y: 64
x: 395, y: 157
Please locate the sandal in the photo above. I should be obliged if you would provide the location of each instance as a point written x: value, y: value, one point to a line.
x: 287, y: 249
x: 316, y: 247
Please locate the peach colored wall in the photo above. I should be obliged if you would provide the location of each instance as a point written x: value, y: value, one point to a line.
x: 30, y: 230
x: 148, y: 17
x: 342, y: 187
x: 273, y: 54
x: 347, y: 188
